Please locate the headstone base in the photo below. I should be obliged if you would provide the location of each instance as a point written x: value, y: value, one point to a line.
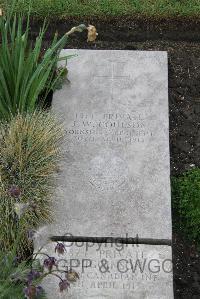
x: 111, y: 270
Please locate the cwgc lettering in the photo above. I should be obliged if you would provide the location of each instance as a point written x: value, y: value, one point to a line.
x: 108, y: 128
x: 130, y: 272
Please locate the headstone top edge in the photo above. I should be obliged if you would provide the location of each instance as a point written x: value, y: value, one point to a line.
x: 150, y: 52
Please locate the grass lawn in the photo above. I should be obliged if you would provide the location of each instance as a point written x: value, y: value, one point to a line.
x: 66, y: 8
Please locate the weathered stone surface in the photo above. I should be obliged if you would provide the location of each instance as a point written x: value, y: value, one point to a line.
x: 113, y: 271
x: 114, y: 178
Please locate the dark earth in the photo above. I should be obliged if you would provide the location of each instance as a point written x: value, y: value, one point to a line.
x: 181, y: 39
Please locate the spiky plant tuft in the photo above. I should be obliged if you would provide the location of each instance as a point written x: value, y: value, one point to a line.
x: 29, y: 155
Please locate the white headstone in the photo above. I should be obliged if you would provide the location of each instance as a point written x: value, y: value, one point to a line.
x: 115, y: 175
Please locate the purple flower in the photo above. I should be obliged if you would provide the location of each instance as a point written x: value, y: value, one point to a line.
x: 60, y: 248
x: 30, y: 292
x: 14, y: 191
x: 32, y: 275
x: 39, y: 291
x: 64, y: 285
x: 49, y: 263
x: 33, y: 292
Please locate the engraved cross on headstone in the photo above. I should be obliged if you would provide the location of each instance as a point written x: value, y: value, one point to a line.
x: 113, y: 77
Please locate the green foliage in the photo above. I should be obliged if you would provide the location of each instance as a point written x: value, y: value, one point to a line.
x: 29, y: 155
x: 186, y: 203
x: 9, y: 287
x: 62, y: 77
x: 65, y: 8
x: 15, y: 275
x: 21, y: 278
x: 25, y: 72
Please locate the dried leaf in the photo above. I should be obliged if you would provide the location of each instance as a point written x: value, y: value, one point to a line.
x: 92, y: 33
